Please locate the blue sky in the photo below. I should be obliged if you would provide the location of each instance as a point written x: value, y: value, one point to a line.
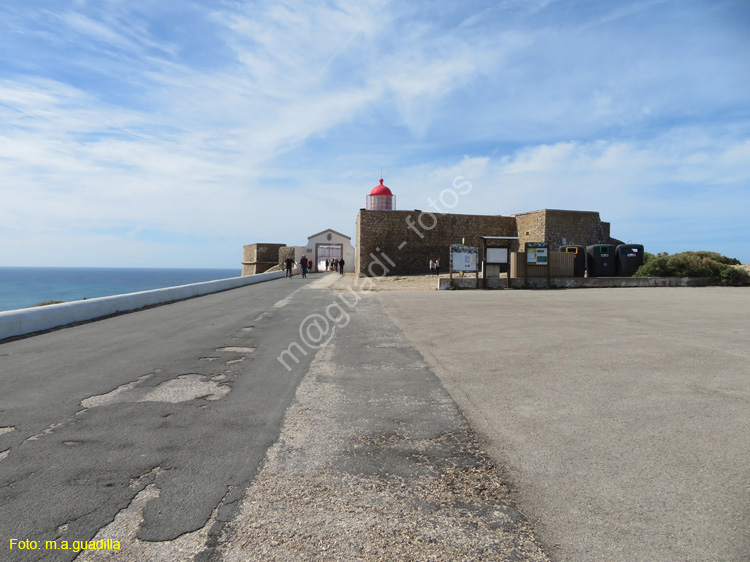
x: 158, y: 134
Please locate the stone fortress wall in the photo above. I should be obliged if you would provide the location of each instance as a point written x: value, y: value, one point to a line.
x: 559, y: 227
x: 258, y: 258
x: 287, y: 252
x: 403, y: 242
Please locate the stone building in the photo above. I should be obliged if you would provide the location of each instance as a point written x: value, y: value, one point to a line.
x: 322, y: 246
x: 391, y: 242
x: 558, y: 227
x: 404, y: 242
x: 257, y: 258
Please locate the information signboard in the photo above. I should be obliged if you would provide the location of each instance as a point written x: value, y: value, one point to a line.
x: 536, y: 253
x: 497, y: 255
x: 464, y: 258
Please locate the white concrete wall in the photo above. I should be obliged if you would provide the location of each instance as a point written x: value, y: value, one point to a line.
x: 28, y: 320
x: 299, y: 251
x: 349, y: 258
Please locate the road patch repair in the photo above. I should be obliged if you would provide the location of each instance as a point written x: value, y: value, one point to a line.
x: 376, y: 466
x: 607, y: 424
x: 374, y: 462
x: 181, y: 389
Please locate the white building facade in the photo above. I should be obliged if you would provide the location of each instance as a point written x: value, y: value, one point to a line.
x: 327, y: 245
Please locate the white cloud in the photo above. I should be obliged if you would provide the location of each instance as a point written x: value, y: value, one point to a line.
x: 673, y: 188
x: 115, y: 132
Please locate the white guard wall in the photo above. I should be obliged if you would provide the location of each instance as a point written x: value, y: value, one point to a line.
x: 299, y: 251
x: 28, y: 320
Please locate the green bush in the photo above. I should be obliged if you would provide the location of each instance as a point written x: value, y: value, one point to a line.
x: 693, y: 264
x: 717, y: 257
x: 732, y: 276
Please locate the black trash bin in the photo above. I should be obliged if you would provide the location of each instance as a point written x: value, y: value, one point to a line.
x: 600, y: 260
x: 629, y: 258
x: 579, y: 262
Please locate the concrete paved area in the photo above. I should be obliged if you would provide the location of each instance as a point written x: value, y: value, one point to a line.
x: 622, y: 416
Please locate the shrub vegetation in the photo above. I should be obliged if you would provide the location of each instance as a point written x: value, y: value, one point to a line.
x: 693, y: 264
x: 45, y: 303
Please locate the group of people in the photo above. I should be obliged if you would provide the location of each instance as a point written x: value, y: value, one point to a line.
x: 336, y: 265
x: 435, y: 267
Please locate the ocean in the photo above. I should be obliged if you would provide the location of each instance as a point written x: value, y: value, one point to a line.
x: 21, y: 287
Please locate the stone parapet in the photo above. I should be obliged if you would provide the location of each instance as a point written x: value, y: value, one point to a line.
x: 284, y: 253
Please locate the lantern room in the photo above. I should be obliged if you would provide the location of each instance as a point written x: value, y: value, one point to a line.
x: 381, y: 198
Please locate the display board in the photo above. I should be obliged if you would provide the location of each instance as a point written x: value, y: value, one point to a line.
x: 464, y: 258
x: 497, y: 255
x: 536, y: 253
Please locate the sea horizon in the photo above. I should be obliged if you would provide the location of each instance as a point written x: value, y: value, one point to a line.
x: 27, y: 286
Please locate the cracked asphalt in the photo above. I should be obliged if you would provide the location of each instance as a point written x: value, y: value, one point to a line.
x: 510, y: 426
x: 190, y: 416
x: 177, y: 432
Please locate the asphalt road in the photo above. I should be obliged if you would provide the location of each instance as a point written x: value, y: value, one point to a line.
x: 375, y: 463
x: 190, y: 394
x: 178, y: 433
x: 621, y: 415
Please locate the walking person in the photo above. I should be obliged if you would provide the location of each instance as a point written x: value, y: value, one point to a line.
x: 341, y: 266
x: 437, y: 266
x: 432, y: 267
x: 289, y: 262
x: 303, y: 264
x: 326, y: 265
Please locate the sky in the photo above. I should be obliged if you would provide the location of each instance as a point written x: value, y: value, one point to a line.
x: 144, y: 133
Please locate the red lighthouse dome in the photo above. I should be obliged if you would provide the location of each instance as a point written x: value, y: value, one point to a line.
x: 381, y: 198
x: 381, y: 189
